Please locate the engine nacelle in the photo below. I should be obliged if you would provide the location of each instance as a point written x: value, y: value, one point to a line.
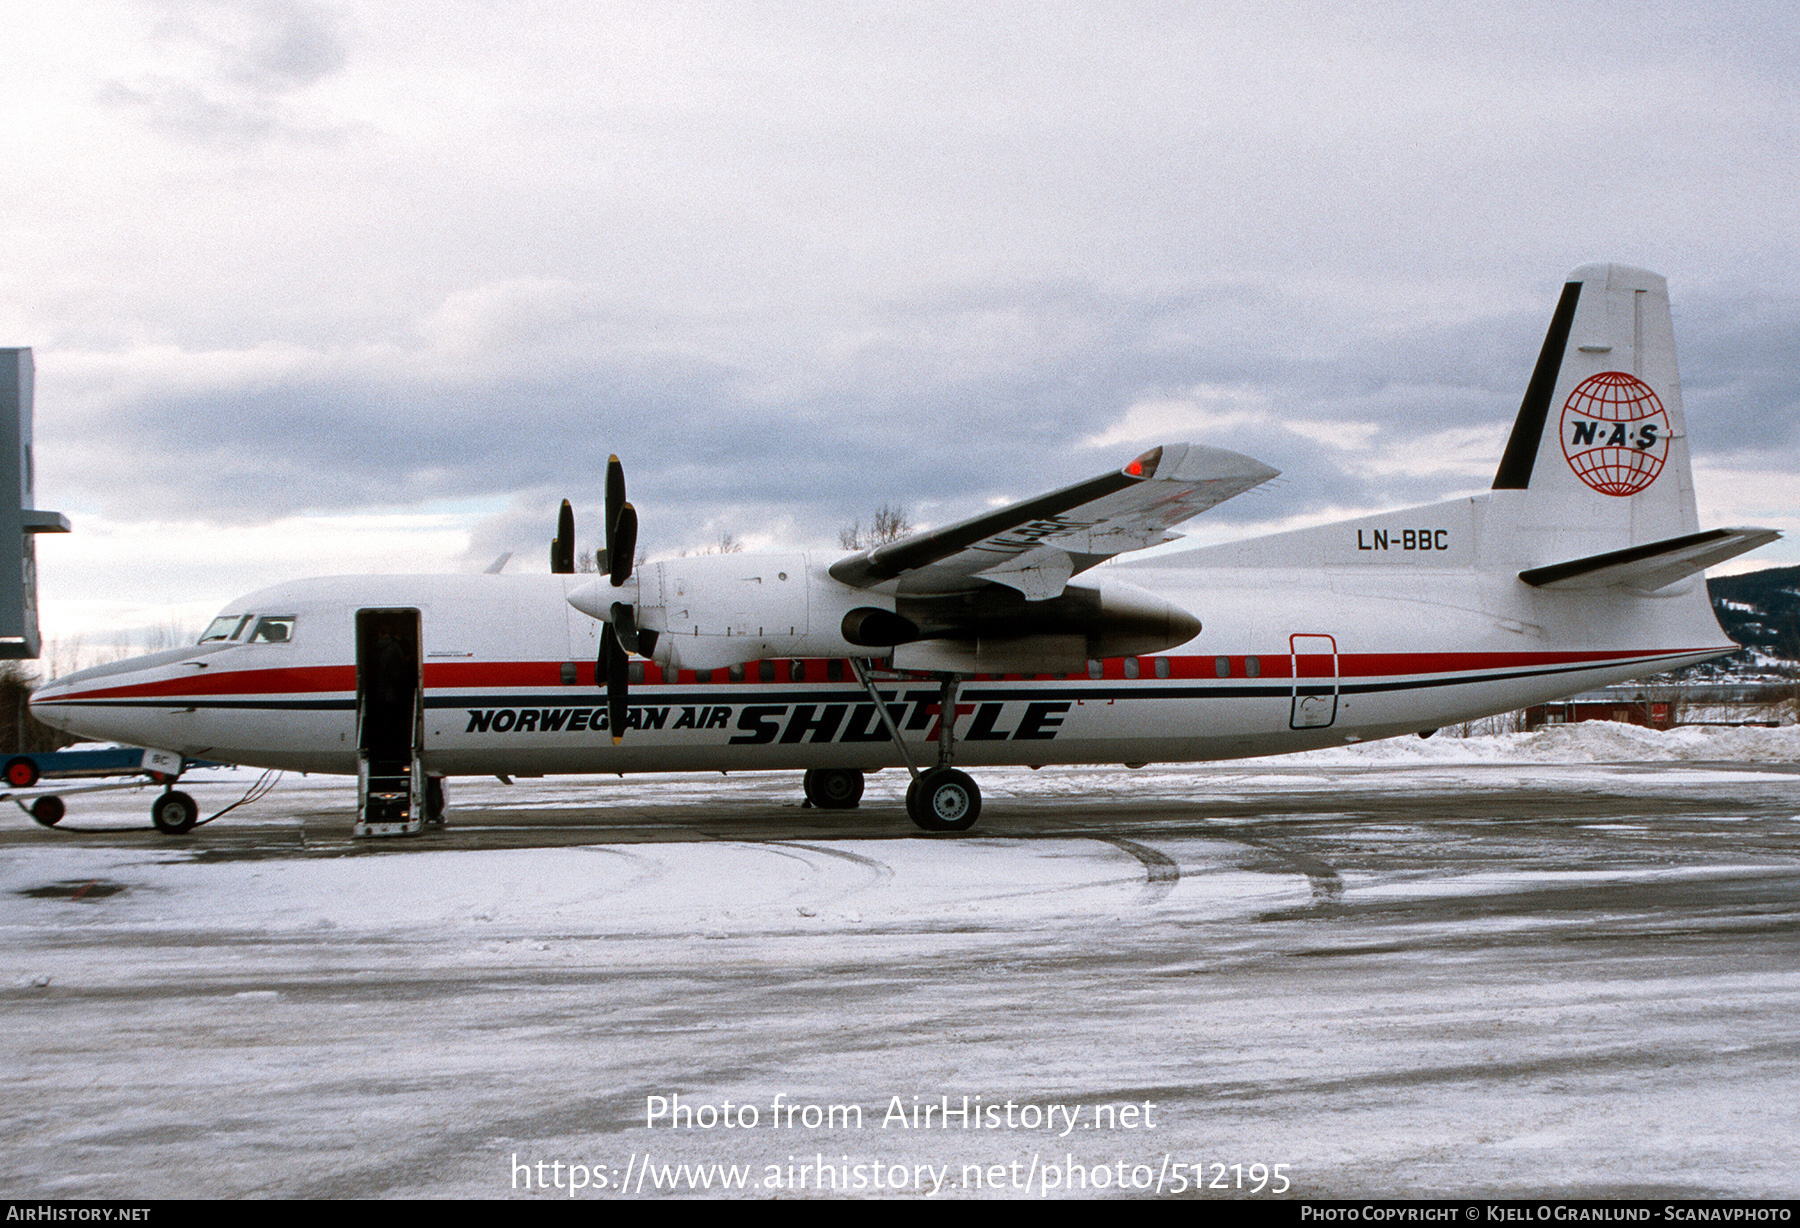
x: 996, y: 630
x: 712, y: 611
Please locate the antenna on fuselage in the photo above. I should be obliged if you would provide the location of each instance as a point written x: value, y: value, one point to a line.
x: 20, y: 520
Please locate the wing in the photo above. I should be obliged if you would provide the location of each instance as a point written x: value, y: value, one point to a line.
x: 1036, y: 545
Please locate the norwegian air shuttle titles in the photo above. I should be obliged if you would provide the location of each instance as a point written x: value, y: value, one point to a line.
x: 998, y: 640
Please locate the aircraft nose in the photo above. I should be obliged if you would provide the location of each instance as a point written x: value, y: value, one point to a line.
x: 53, y: 689
x: 48, y: 693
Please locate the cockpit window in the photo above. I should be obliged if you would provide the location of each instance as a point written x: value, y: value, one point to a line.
x: 225, y: 627
x: 273, y: 629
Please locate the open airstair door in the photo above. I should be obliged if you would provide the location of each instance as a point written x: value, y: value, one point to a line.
x: 390, y: 724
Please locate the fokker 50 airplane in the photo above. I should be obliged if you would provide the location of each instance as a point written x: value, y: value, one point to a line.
x: 996, y: 640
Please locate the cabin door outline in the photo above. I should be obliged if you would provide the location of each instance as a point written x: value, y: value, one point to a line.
x: 1315, y: 675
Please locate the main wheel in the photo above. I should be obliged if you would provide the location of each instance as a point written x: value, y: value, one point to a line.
x: 48, y: 810
x: 944, y: 799
x: 435, y: 804
x: 833, y: 788
x: 174, y: 813
x: 21, y: 773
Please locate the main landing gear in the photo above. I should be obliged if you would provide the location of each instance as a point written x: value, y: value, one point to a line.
x: 940, y: 798
x: 833, y: 788
x: 943, y: 799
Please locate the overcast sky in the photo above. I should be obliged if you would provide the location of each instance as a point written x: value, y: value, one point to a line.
x: 324, y: 287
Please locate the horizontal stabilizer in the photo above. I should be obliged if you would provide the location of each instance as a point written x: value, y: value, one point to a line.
x: 1651, y: 566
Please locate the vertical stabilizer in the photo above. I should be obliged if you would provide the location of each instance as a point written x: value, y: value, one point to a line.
x: 20, y: 521
x: 1598, y: 457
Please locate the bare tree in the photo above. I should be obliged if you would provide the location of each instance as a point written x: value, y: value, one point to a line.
x: 22, y: 733
x: 890, y: 523
x: 727, y: 544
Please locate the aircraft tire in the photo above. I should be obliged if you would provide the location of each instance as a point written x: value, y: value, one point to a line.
x: 48, y: 810
x: 174, y: 813
x: 944, y: 799
x: 21, y: 773
x: 833, y: 788
x: 435, y: 803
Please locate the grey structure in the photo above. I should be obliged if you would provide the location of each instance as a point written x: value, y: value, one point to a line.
x: 20, y: 521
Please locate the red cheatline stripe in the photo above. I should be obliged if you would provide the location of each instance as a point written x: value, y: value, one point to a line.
x: 341, y: 679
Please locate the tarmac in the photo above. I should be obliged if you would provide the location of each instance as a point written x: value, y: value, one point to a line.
x: 1473, y: 980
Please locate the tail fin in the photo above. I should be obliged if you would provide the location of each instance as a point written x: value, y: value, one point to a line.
x: 1598, y: 455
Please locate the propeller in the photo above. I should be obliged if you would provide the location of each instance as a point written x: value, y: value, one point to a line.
x: 620, y: 635
x: 562, y: 549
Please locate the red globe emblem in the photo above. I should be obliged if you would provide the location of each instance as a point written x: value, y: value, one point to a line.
x: 1615, y: 433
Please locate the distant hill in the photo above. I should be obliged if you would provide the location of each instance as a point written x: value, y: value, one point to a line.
x: 1761, y: 611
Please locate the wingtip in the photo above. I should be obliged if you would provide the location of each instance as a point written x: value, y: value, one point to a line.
x: 1194, y: 461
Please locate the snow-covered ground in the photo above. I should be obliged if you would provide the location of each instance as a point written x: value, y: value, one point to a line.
x: 1584, y: 742
x: 1389, y: 981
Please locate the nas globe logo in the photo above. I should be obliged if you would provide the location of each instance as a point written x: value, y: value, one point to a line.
x: 1615, y: 433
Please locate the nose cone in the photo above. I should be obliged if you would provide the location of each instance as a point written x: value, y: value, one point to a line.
x: 108, y: 702
x: 44, y: 700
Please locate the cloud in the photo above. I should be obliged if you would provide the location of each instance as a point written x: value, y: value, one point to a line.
x: 228, y: 68
x: 520, y: 389
x: 795, y: 263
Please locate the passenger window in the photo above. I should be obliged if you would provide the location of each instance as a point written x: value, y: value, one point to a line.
x: 1162, y: 667
x: 1222, y: 666
x: 274, y: 629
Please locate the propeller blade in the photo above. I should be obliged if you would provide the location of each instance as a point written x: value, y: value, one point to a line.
x: 624, y: 626
x: 613, y: 667
x: 615, y: 501
x: 562, y: 550
x: 623, y: 545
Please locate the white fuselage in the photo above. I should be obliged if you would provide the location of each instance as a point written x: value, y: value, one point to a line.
x: 1394, y: 625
